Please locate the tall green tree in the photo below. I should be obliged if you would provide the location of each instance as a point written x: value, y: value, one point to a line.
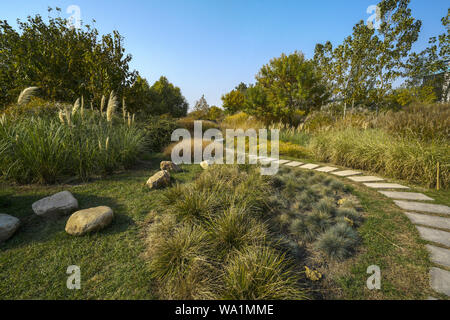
x: 165, y: 98
x: 393, y: 41
x: 65, y: 63
x: 291, y: 86
x: 234, y: 101
x: 434, y: 60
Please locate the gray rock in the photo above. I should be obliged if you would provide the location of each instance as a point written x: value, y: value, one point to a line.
x: 169, y: 166
x: 346, y: 173
x: 293, y: 164
x: 433, y: 235
x: 406, y: 195
x: 424, y: 207
x: 159, y: 180
x: 365, y: 179
x: 439, y: 255
x: 89, y: 220
x: 385, y: 186
x: 310, y: 166
x: 430, y: 221
x: 61, y: 203
x: 326, y: 169
x: 440, y: 280
x: 8, y: 225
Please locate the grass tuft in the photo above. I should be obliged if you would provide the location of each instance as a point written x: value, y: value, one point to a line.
x: 338, y: 242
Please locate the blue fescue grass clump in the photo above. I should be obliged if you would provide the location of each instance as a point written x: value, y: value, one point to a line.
x: 338, y: 242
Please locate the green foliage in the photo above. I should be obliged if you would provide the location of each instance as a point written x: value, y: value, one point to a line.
x: 65, y: 62
x: 286, y: 88
x: 409, y: 95
x: 158, y: 132
x: 431, y: 64
x: 165, y: 98
x: 45, y: 150
x: 215, y: 114
x: 233, y: 102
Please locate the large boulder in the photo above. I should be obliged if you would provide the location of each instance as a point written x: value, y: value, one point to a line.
x: 89, y: 220
x: 8, y: 225
x: 62, y: 203
x: 169, y: 166
x: 159, y: 180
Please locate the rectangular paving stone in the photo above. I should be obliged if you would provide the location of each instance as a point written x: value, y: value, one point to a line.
x: 433, y: 235
x: 439, y: 255
x: 283, y: 161
x: 310, y: 166
x: 326, y: 169
x: 440, y: 280
x: 294, y: 164
x: 430, y: 221
x: 405, y: 195
x: 376, y: 185
x: 423, y: 207
x: 346, y: 173
x: 365, y: 179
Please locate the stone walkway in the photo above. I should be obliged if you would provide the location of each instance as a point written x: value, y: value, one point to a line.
x: 431, y: 220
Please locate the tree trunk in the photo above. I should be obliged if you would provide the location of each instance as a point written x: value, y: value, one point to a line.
x: 345, y: 108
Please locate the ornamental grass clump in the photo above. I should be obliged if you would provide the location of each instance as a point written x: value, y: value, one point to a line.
x: 66, y: 144
x: 338, y: 242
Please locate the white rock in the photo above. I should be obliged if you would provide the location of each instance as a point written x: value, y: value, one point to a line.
x: 8, y: 225
x: 61, y: 203
x: 204, y: 164
x: 89, y: 220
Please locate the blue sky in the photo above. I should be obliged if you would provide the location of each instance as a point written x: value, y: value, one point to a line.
x: 209, y: 46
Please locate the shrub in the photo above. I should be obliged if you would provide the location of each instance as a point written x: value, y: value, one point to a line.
x: 259, y: 274
x: 158, y: 132
x: 293, y: 150
x: 188, y: 123
x: 338, y: 242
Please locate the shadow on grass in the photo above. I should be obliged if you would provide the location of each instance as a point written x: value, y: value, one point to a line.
x: 35, y: 229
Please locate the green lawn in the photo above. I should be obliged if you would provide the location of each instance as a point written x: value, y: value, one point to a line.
x: 33, y: 262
